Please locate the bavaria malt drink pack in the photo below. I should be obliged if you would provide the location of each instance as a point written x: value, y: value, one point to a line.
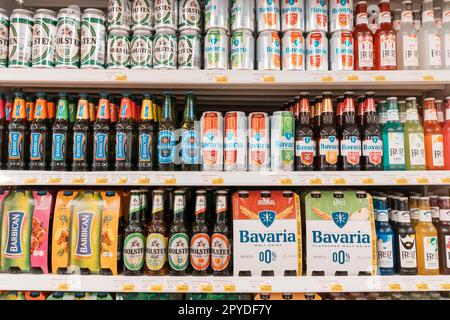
x: 267, y: 233
x: 339, y: 233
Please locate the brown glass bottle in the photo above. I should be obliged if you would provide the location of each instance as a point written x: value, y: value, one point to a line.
x: 372, y: 143
x: 305, y: 144
x: 40, y: 136
x: 167, y: 139
x: 62, y: 136
x: 134, y: 243
x: 360, y: 111
x: 190, y: 137
x: 316, y: 113
x: 18, y: 146
x: 103, y: 141
x: 339, y: 112
x: 147, y: 132
x: 126, y: 137
x: 200, y: 246
x: 82, y: 137
x: 327, y: 140
x: 349, y: 137
x: 221, y: 238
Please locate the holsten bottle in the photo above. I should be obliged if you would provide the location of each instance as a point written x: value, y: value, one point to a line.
x: 134, y: 243
x: 405, y: 240
x: 407, y: 40
x: 414, y: 137
x: 385, y: 242
x: 393, y: 139
x: 200, y: 246
x: 429, y: 39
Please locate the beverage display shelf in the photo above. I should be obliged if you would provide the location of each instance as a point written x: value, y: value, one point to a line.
x: 217, y: 179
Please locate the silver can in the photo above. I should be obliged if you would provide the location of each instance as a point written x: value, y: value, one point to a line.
x: 216, y: 50
x: 20, y: 38
x: 93, y: 39
x: 118, y: 56
x: 217, y: 13
x: 189, y: 51
x: 268, y: 15
x: 341, y: 51
x: 142, y: 49
x: 165, y: 50
x: 4, y: 32
x: 243, y: 15
x: 317, y: 15
x: 341, y: 15
x: 166, y: 14
x: 211, y: 128
x: 268, y: 51
x: 242, y: 50
x: 44, y: 33
x: 293, y: 45
x: 258, y: 141
x: 282, y: 141
x: 317, y: 51
x: 235, y: 141
x: 119, y: 14
x: 293, y: 15
x: 142, y: 14
x: 68, y: 39
x: 190, y: 15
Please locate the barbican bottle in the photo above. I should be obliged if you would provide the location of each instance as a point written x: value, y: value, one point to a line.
x: 200, y: 247
x: 103, y: 137
x: 126, y: 137
x: 190, y: 137
x: 82, y: 137
x: 147, y: 133
x: 40, y: 136
x: 349, y: 137
x: 61, y: 137
x: 305, y: 143
x: 18, y: 145
x: 405, y: 241
x: 414, y: 137
x: 221, y: 238
x: 393, y: 139
x: 167, y: 139
x: 328, y: 143
x: 372, y: 142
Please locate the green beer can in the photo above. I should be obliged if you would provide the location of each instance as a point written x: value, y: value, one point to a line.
x: 68, y: 39
x: 20, y: 38
x: 118, y: 56
x: 93, y: 39
x: 142, y: 49
x: 44, y: 33
x: 4, y: 31
x: 165, y: 50
x: 189, y: 50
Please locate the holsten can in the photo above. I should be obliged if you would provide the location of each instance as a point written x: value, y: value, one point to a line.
x: 216, y: 50
x: 141, y: 49
x: 235, y: 141
x: 118, y: 56
x: 242, y: 50
x: 166, y: 14
x: 165, y: 50
x: 142, y: 15
x: 20, y: 38
x: 269, y: 51
x: 211, y: 128
x: 217, y: 14
x: 317, y: 15
x: 293, y: 51
x: 258, y: 141
x: 341, y: 15
x: 189, y: 51
x: 341, y: 51
x: 44, y: 33
x: 4, y: 35
x: 268, y: 15
x: 316, y: 51
x: 293, y: 15
x: 190, y: 15
x: 68, y: 39
x: 119, y: 14
x: 93, y: 39
x: 243, y: 15
x: 282, y: 141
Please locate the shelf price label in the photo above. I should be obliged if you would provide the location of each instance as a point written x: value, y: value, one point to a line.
x: 368, y: 181
x: 401, y: 181
x: 121, y: 77
x: 352, y: 77
x: 156, y: 288
x: 266, y: 288
x: 394, y: 287
x: 340, y: 181
x: 337, y: 287
x: 379, y: 78
x: 217, y: 181
x: 170, y: 181
x: 428, y: 77
x: 422, y: 286
x: 207, y: 288
x: 327, y: 79
x: 101, y: 180
x: 229, y: 288
x: 30, y: 180
x: 445, y: 180
x: 445, y: 286
x: 78, y: 180
x: 54, y: 180
x: 144, y: 181
x: 182, y: 288
x: 129, y: 287
x: 221, y: 79
x: 269, y: 79
x: 63, y: 286
x: 423, y: 180
x: 315, y: 181
x: 286, y: 181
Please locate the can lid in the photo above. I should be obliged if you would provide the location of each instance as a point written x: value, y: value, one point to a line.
x: 122, y: 30
x: 361, y: 2
x: 439, y: 101
x: 46, y: 11
x: 165, y: 30
x: 142, y: 32
x: 411, y: 99
x: 189, y: 32
x: 200, y: 191
x: 69, y: 11
x: 406, y: 1
x: 424, y: 198
x: 94, y: 11
x: 22, y: 11
x: 349, y: 93
x: 429, y: 99
x: 326, y: 93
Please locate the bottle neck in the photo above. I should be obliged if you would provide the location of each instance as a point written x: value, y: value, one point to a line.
x: 167, y: 109
x: 62, y: 112
x: 40, y: 110
x: 200, y: 208
x: 429, y: 113
x: 427, y: 13
x: 103, y: 111
x: 83, y: 110
x: 135, y: 209
x: 189, y: 110
x: 221, y: 208
x: 407, y: 14
x: 125, y: 109
x: 2, y: 109
x: 147, y: 110
x: 385, y: 15
x: 179, y: 207
x: 361, y: 16
x: 19, y: 111
x: 158, y: 208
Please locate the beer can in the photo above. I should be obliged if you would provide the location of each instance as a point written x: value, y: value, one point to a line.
x: 316, y: 51
x: 317, y: 15
x: 293, y: 15
x: 119, y: 14
x: 341, y: 15
x: 216, y: 50
x: 189, y: 51
x: 268, y: 51
x: 242, y: 50
x: 211, y: 127
x: 243, y: 15
x: 341, y: 51
x: 165, y: 49
x: 235, y: 141
x: 217, y: 14
x: 293, y: 50
x: 20, y: 38
x: 141, y: 49
x: 93, y: 39
x: 166, y: 14
x: 268, y: 15
x: 44, y: 32
x: 142, y: 14
x: 258, y: 142
x: 68, y: 39
x: 190, y: 15
x: 282, y: 141
x: 118, y: 56
x: 4, y: 32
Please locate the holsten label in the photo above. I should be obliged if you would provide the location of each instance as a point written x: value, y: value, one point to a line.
x: 220, y: 252
x: 133, y: 251
x: 179, y: 251
x: 200, y: 251
x: 156, y: 251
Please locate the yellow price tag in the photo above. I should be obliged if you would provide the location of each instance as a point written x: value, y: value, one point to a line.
x: 394, y: 287
x: 101, y: 180
x: 380, y: 78
x: 445, y: 180
x: 327, y: 79
x: 423, y: 180
x: 286, y: 182
x: 121, y: 77
x: 182, y: 288
x: 229, y: 288
x: 368, y: 181
x: 401, y: 181
x: 63, y: 286
x: 445, y: 286
x: 156, y: 288
x: 170, y: 182
x: 54, y: 180
x: 315, y: 181
x: 269, y: 79
x: 144, y: 181
x: 428, y: 78
x: 128, y: 287
x: 30, y: 180
x: 78, y: 180
x: 336, y: 288
x: 217, y: 181
x: 422, y: 286
x: 222, y: 79
x: 206, y: 288
x: 123, y: 180
x: 353, y: 78
x: 265, y: 288
x: 340, y: 181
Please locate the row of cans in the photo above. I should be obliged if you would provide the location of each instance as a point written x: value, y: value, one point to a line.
x: 259, y: 143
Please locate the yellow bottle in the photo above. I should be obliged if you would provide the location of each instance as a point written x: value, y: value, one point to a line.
x: 427, y: 242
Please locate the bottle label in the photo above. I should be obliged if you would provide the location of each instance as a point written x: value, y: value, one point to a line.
x: 447, y: 250
x: 166, y: 147
x: 59, y: 143
x: 200, y: 251
x: 190, y: 147
x: 200, y: 205
x: 407, y: 248
x: 447, y: 49
x: 438, y: 149
x: 407, y: 16
x: 220, y: 252
x: 392, y: 115
x: 179, y: 251
x: 100, y: 143
x: 382, y: 117
x: 444, y: 214
x: 387, y: 47
x: 365, y: 51
x: 373, y: 150
x: 431, y: 256
x: 412, y: 114
x: 416, y: 149
x: 158, y: 204
x: 133, y: 252
x: 435, y: 213
x: 415, y: 214
x: 305, y: 149
x: 427, y: 16
x: 425, y: 215
x: 15, y: 246
x: 329, y: 147
x: 79, y: 146
x: 351, y: 149
x: 385, y: 252
x: 385, y: 17
x: 430, y: 115
x: 410, y: 50
x: 178, y: 205
x: 156, y: 251
x: 396, y: 148
x: 403, y: 216
x: 15, y: 145
x: 435, y: 49
x: 361, y: 18
x: 121, y: 142
x: 446, y: 16
x: 145, y: 147
x: 35, y: 148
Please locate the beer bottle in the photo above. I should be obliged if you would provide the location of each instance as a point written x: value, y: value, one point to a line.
x: 414, y: 138
x: 427, y: 242
x: 147, y: 135
x: 40, y: 136
x: 339, y: 112
x: 133, y: 246
x: 82, y: 137
x: 443, y: 229
x: 190, y: 137
x: 385, y: 240
x: 200, y: 247
x: 220, y: 239
x: 18, y: 145
x: 328, y: 143
x: 166, y: 137
x: 393, y: 139
x: 360, y: 111
x: 156, y: 247
x: 434, y: 139
x: 3, y: 133
x: 126, y: 137
x: 372, y: 143
x: 29, y: 108
x: 72, y: 110
x: 178, y: 238
x: 350, y: 137
x: 61, y: 137
x: 317, y: 109
x: 305, y: 144
x: 103, y: 144
x: 405, y: 240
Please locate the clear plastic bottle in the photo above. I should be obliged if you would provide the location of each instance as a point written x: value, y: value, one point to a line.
x: 407, y: 40
x: 445, y: 35
x: 429, y: 39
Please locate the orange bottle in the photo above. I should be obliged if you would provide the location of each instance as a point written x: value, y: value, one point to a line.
x: 434, y: 139
x: 446, y: 133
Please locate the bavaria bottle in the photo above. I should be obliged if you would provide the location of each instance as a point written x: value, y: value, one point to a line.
x: 407, y: 40
x: 18, y: 142
x: 103, y: 141
x: 200, y: 247
x: 328, y: 143
x: 446, y: 133
x: 126, y: 137
x: 147, y: 131
x: 350, y: 137
x: 385, y: 241
x: 393, y: 139
x: 134, y: 245
x: 360, y: 111
x: 429, y: 39
x: 372, y: 142
x: 61, y: 137
x: 414, y: 138
x: 443, y: 230
x: 221, y: 238
x: 82, y: 137
x: 317, y: 110
x: 445, y: 35
x: 385, y: 44
x: 3, y: 133
x: 405, y: 240
x: 166, y: 137
x: 190, y: 137
x: 434, y: 139
x: 363, y: 39
x: 305, y: 143
x: 40, y: 136
x: 339, y: 120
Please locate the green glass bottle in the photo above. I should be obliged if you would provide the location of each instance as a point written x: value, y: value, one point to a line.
x: 393, y: 139
x: 414, y: 138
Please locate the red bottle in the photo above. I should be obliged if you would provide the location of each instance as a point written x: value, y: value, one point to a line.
x: 446, y: 133
x: 363, y: 39
x: 385, y: 43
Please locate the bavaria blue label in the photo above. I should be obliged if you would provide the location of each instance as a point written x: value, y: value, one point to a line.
x: 100, y: 142
x: 15, y: 143
x: 340, y: 218
x: 267, y: 217
x: 121, y: 140
x: 84, y: 245
x: 79, y: 146
x: 14, y: 234
x: 145, y: 151
x: 190, y: 147
x: 35, y: 149
x: 166, y: 146
x: 58, y: 145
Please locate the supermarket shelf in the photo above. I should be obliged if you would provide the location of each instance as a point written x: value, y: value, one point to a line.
x: 30, y: 282
x: 235, y: 178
